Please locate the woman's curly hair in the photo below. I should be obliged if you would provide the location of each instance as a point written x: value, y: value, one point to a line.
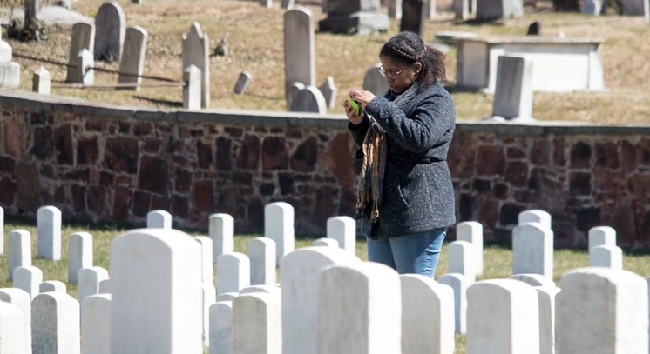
x: 408, y: 48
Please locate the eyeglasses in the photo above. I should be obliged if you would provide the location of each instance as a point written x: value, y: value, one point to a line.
x: 390, y: 73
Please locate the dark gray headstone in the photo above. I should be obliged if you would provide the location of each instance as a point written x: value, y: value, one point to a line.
x: 413, y: 16
x: 513, y: 95
x: 109, y: 32
x: 634, y: 8
x: 31, y: 7
x: 362, y: 17
x: 496, y: 9
x: 533, y: 29
x: 243, y: 82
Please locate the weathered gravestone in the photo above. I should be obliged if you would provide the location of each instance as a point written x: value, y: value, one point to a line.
x: 413, y: 16
x: 109, y: 32
x: 243, y: 82
x: 41, y: 84
x: 362, y: 17
x: 132, y: 63
x: 196, y: 46
x: 309, y: 99
x: 55, y: 324
x: 9, y: 71
x: 299, y: 50
x: 513, y: 95
x: 328, y: 89
x: 31, y: 7
x: 496, y: 9
x: 375, y: 82
x: 82, y: 37
x: 256, y: 326
x: 634, y: 8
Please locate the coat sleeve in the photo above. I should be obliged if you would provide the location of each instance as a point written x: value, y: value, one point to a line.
x: 358, y: 131
x: 430, y: 123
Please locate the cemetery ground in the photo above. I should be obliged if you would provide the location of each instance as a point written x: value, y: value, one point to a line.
x: 255, y: 44
x: 497, y: 258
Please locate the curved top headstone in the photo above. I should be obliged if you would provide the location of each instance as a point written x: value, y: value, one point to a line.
x: 110, y: 30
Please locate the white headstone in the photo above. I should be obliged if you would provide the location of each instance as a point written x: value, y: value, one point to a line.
x: 299, y: 48
x: 243, y: 82
x: 192, y: 88
x: 42, y: 81
x: 532, y: 249
x: 472, y: 232
x: 110, y: 31
x: 264, y: 288
x: 601, y: 310
x: 89, y: 279
x: 12, y: 335
x: 84, y: 72
x: 261, y: 253
x: 459, y: 284
x: 606, y: 256
x: 5, y: 52
x: 80, y: 254
x: 229, y: 296
x: 159, y: 219
x: 196, y: 51
x: 156, y: 288
x: 207, y: 264
x: 299, y: 276
x: 52, y: 285
x: 22, y: 300
x: 326, y: 242
x: 602, y: 236
x: 55, y: 324
x: 502, y: 318
x: 105, y: 286
x: 83, y: 37
x: 48, y: 234
x: 513, y: 94
x: 131, y: 65
x: 20, y: 254
x: 28, y: 278
x: 536, y: 216
x: 374, y: 82
x: 366, y: 298
x: 461, y: 259
x: 221, y: 231
x: 434, y: 332
x: 96, y: 324
x: 328, y: 89
x: 233, y: 272
x: 221, y: 328
x: 546, y: 302
x: 342, y: 229
x: 279, y: 226
x: 208, y: 298
x: 256, y: 324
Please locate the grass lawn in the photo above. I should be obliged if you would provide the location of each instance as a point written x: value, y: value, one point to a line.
x: 498, y: 260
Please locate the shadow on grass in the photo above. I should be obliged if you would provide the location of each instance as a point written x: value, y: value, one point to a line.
x: 157, y: 101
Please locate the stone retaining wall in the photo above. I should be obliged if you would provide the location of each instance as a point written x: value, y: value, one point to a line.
x: 113, y: 164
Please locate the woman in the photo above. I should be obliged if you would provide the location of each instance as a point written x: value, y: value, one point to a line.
x: 405, y: 195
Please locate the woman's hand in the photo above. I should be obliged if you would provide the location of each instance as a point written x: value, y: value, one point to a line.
x: 352, y: 116
x: 362, y: 96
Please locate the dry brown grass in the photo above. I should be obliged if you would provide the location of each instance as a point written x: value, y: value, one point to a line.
x: 256, y: 44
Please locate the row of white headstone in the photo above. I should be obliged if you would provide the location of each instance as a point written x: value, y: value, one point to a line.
x: 300, y: 311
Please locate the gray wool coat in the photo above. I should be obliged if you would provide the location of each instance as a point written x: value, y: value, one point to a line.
x: 417, y: 194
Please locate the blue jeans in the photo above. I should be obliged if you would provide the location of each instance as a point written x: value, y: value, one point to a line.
x: 413, y: 253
